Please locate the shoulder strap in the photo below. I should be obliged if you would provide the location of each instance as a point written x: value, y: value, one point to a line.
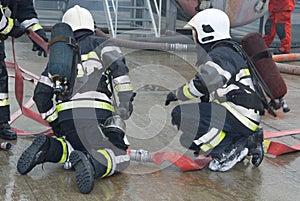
x: 259, y: 84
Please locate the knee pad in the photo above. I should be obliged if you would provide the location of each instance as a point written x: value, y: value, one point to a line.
x: 114, y: 128
x: 114, y: 125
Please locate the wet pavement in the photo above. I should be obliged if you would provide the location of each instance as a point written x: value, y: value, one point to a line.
x: 153, y: 74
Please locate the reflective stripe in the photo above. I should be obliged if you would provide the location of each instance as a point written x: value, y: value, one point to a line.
x: 266, y: 145
x: 3, y: 96
x: 186, y: 92
x: 220, y: 70
x: 84, y: 104
x: 244, y: 120
x: 214, y: 142
x: 70, y: 149
x: 80, y: 71
x: 250, y: 113
x: 29, y: 22
x: 213, y: 132
x: 90, y: 55
x: 4, y: 102
x: 49, y: 112
x: 109, y: 162
x: 3, y: 21
x: 121, y: 79
x: 107, y: 49
x: 52, y: 117
x: 46, y: 80
x: 223, y: 91
x: 123, y: 87
x: 113, y: 160
x: 91, y: 95
x: 35, y: 27
x: 241, y: 74
x: 193, y: 89
x: 65, y: 150
x: 8, y: 27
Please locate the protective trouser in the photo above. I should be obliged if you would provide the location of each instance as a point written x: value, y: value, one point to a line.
x: 87, y: 136
x: 204, y: 122
x: 4, y: 101
x: 279, y: 23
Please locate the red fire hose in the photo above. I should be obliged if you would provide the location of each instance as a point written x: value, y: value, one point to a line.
x: 19, y: 89
x: 180, y: 160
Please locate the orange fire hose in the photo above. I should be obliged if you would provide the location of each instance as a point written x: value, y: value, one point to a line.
x: 286, y: 57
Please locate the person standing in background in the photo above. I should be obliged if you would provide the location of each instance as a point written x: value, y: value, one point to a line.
x: 278, y: 22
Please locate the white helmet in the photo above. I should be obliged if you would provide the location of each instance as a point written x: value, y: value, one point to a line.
x: 211, y: 25
x: 79, y: 18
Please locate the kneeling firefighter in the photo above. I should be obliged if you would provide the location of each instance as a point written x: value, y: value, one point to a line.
x: 225, y: 124
x: 88, y: 133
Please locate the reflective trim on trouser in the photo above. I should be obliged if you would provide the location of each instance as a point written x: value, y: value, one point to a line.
x: 65, y: 150
x: 110, y: 169
x: 4, y: 102
x: 214, y: 142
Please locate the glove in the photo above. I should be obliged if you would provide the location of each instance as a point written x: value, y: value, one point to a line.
x: 125, y: 109
x: 3, y: 37
x: 36, y: 47
x: 170, y: 97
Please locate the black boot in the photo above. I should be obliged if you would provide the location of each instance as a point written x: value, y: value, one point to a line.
x: 226, y: 160
x: 6, y: 132
x: 84, y: 171
x: 256, y: 148
x: 35, y: 154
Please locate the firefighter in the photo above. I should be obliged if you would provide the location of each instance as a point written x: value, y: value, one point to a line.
x: 89, y: 133
x: 225, y: 123
x: 23, y: 17
x: 279, y: 22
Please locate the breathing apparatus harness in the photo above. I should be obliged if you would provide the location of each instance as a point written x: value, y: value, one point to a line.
x: 260, y: 86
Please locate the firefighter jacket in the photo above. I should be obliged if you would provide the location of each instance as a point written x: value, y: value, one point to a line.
x: 22, y: 14
x: 90, y: 96
x: 225, y: 78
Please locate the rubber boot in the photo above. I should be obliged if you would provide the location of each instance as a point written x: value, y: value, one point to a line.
x: 228, y: 159
x: 35, y: 154
x: 256, y: 148
x: 84, y: 171
x: 6, y: 132
x: 88, y: 169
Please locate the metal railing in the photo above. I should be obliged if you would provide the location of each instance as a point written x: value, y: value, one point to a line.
x: 111, y: 8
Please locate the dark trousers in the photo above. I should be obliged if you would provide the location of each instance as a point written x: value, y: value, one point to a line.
x: 4, y: 110
x: 196, y: 119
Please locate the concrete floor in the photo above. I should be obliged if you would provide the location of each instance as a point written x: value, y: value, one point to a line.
x: 153, y: 74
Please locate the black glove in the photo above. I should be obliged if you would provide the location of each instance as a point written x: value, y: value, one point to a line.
x: 3, y: 37
x: 36, y: 47
x: 171, y: 97
x: 125, y: 109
